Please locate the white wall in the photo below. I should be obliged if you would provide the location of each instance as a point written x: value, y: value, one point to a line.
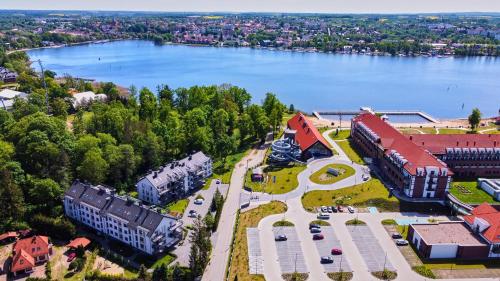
x: 443, y: 251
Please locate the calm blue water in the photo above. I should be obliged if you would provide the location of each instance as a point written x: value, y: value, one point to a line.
x: 311, y: 81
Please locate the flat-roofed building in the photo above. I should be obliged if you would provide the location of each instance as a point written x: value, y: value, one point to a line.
x: 121, y: 218
x: 447, y: 240
x: 409, y: 168
x: 491, y: 186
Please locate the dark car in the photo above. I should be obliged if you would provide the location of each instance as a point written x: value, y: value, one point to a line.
x: 318, y: 237
x: 396, y: 235
x: 281, y: 237
x: 315, y: 230
x: 334, y: 209
x: 336, y: 251
x: 71, y: 257
x: 340, y: 209
x: 311, y: 226
x: 326, y: 259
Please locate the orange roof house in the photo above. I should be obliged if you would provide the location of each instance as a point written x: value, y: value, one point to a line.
x: 77, y: 242
x: 485, y: 219
x: 27, y: 252
x: 307, y: 136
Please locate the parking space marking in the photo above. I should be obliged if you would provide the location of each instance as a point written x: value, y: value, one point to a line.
x: 255, y: 263
x: 375, y: 257
x: 290, y: 253
x: 324, y: 249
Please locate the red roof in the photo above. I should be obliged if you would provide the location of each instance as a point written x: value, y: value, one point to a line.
x: 35, y: 246
x: 307, y: 134
x: 391, y: 139
x: 22, y: 261
x: 6, y: 235
x: 80, y: 241
x: 486, y: 212
x: 437, y: 144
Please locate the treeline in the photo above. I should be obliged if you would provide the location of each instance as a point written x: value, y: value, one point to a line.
x: 112, y: 142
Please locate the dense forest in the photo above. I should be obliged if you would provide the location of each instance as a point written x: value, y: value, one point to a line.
x: 44, y: 148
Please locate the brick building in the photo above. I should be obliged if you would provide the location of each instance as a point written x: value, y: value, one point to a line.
x: 411, y: 169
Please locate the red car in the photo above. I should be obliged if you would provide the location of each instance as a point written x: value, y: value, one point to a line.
x: 336, y: 251
x: 340, y: 209
x: 318, y: 237
x: 71, y: 257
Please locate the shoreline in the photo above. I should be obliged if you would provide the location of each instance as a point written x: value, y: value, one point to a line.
x: 272, y: 49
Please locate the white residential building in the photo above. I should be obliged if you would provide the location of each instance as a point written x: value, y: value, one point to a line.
x: 175, y: 179
x: 84, y: 98
x: 7, y: 98
x: 121, y: 218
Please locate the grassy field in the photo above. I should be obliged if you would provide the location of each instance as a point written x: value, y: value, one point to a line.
x: 371, y: 193
x: 286, y: 179
x: 351, y: 152
x: 239, y: 262
x: 323, y: 177
x: 447, y: 131
x: 469, y: 192
x: 178, y: 206
x: 342, y: 135
x: 408, y: 131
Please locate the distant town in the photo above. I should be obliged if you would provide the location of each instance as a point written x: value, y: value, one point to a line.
x: 397, y: 35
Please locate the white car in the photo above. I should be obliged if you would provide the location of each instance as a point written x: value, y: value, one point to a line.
x: 350, y: 209
x: 401, y: 242
x: 198, y: 201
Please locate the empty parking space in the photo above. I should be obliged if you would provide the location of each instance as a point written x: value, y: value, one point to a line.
x: 290, y: 254
x: 369, y: 248
x: 254, y: 252
x: 325, y: 247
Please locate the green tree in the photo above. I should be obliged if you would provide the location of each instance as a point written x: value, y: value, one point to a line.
x: 200, y: 248
x: 93, y: 168
x: 59, y: 108
x: 148, y: 105
x: 475, y: 119
x: 11, y: 199
x: 45, y: 192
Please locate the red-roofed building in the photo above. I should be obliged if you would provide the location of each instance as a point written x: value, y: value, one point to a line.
x: 485, y: 220
x: 77, y: 242
x: 467, y: 155
x: 411, y: 169
x: 28, y: 252
x: 310, y: 140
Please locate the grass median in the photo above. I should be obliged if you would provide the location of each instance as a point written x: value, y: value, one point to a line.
x: 278, y: 180
x: 322, y: 176
x: 239, y: 262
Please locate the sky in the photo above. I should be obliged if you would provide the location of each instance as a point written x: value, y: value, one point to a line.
x: 315, y: 6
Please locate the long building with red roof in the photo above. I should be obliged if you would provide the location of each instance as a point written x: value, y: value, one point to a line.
x: 310, y: 140
x: 467, y: 155
x: 410, y: 168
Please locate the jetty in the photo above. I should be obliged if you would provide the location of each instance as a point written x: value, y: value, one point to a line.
x: 318, y: 114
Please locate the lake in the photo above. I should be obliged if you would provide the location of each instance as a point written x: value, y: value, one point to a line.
x: 442, y: 87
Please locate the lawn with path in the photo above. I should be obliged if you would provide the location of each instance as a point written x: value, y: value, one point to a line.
x: 368, y: 194
x: 350, y: 150
x: 322, y: 176
x: 340, y: 135
x: 239, y: 261
x: 286, y: 179
x: 470, y: 193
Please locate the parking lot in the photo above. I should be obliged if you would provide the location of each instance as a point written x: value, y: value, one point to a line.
x: 324, y: 249
x: 254, y: 252
x: 369, y: 248
x: 290, y: 254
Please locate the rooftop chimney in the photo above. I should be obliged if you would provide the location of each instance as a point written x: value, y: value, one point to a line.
x: 155, y: 175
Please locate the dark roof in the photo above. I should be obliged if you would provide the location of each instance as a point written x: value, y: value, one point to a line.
x: 126, y: 209
x: 306, y: 133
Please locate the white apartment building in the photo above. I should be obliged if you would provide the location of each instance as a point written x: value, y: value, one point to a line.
x: 175, y: 179
x: 121, y: 218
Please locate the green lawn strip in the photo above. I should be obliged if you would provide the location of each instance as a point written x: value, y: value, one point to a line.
x: 351, y: 152
x: 178, y: 206
x: 417, y: 130
x: 320, y: 222
x: 286, y: 179
x: 150, y: 262
x: 368, y: 194
x: 323, y: 177
x: 239, y: 262
x: 389, y: 222
x: 295, y: 276
x: 340, y: 276
x: 447, y: 131
x: 470, y: 193
x: 340, y: 135
x: 424, y: 271
x: 283, y: 223
x: 355, y: 222
x: 409, y: 131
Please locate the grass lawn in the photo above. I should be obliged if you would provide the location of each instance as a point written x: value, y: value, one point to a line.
x: 150, y: 262
x: 286, y: 179
x: 447, y: 131
x: 239, y: 262
x: 417, y: 130
x: 283, y: 223
x: 409, y: 131
x: 178, y: 206
x: 323, y: 177
x: 469, y: 192
x: 351, y: 152
x: 342, y: 135
x: 320, y: 222
x: 370, y: 193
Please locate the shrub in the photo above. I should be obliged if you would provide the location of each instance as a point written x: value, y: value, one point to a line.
x: 389, y: 222
x: 60, y: 228
x: 424, y: 271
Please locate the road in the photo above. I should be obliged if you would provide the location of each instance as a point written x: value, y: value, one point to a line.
x: 216, y: 268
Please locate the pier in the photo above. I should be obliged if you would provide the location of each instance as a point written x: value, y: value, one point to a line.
x: 422, y: 114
